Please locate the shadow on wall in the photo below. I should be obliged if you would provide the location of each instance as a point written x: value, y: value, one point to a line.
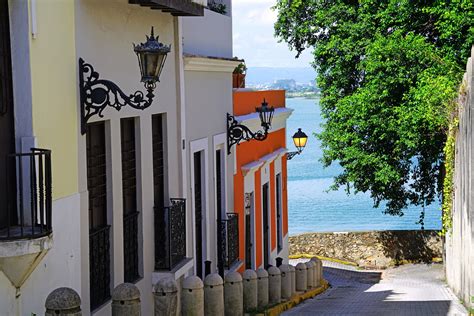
x: 412, y: 246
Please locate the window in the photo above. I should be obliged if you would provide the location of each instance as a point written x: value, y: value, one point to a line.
x: 99, y: 230
x: 278, y: 211
x: 129, y: 193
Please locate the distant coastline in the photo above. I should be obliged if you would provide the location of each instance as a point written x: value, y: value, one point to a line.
x: 306, y: 95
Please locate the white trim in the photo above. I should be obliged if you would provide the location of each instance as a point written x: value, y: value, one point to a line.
x: 200, y: 63
x: 254, y: 165
x: 252, y: 120
x: 197, y: 146
x: 219, y: 142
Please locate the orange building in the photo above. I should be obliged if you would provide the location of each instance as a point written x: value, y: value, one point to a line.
x: 260, y: 177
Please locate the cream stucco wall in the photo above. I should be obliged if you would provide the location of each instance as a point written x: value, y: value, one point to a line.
x: 105, y: 31
x: 54, y: 92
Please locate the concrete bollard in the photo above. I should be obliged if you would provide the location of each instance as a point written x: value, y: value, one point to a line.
x: 213, y: 295
x: 63, y: 301
x: 293, y: 279
x: 250, y: 291
x: 274, y: 285
x: 233, y: 294
x: 192, y: 297
x: 126, y: 300
x: 165, y: 294
x: 301, y: 275
x: 262, y: 285
x: 310, y: 273
x: 285, y: 281
x: 318, y: 271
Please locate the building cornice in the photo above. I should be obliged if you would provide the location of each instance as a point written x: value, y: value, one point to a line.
x: 252, y: 120
x: 268, y: 158
x: 209, y: 64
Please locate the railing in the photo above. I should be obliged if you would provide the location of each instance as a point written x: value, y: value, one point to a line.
x: 99, y: 265
x: 170, y: 235
x: 229, y: 229
x: 130, y: 240
x: 29, y: 200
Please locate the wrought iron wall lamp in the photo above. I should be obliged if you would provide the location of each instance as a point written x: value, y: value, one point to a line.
x: 237, y: 132
x: 96, y: 94
x: 299, y: 139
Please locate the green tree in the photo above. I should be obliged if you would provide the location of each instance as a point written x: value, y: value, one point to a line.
x: 389, y: 71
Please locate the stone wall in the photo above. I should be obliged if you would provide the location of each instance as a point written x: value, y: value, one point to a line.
x: 460, y: 242
x: 378, y: 249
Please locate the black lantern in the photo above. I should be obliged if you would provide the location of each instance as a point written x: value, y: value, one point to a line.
x: 151, y: 58
x: 96, y: 94
x: 237, y: 132
x: 299, y: 139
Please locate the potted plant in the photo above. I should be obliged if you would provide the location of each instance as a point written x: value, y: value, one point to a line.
x: 218, y: 7
x: 238, y: 75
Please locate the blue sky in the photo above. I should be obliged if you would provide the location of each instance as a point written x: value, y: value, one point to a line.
x: 253, y: 36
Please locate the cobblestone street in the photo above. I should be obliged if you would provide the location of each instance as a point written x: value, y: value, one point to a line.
x: 407, y: 290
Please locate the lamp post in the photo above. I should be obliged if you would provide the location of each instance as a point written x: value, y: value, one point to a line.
x: 96, y: 94
x: 299, y: 139
x: 237, y: 132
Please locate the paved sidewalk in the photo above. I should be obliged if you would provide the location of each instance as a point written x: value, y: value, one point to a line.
x: 407, y: 290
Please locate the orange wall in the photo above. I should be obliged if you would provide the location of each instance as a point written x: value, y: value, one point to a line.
x: 250, y: 151
x: 245, y: 102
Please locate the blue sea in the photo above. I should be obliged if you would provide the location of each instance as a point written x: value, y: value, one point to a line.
x: 312, y: 209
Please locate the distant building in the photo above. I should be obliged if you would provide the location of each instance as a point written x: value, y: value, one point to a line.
x: 284, y: 84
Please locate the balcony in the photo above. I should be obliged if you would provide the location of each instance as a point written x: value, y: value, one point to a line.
x: 229, y: 230
x: 174, y: 7
x: 170, y: 235
x: 25, y: 213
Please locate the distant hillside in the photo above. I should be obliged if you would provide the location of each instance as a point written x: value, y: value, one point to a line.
x: 262, y: 75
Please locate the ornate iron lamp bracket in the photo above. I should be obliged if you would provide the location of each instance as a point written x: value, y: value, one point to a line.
x: 237, y: 132
x: 291, y: 154
x: 96, y: 94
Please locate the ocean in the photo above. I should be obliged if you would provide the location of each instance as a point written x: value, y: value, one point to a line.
x: 312, y: 209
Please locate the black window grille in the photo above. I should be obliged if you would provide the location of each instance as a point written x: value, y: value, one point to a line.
x: 129, y: 194
x: 174, y: 229
x: 30, y: 199
x: 99, y: 230
x: 229, y: 230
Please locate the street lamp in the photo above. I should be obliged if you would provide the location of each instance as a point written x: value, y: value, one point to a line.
x: 237, y: 132
x: 96, y: 94
x: 299, y: 139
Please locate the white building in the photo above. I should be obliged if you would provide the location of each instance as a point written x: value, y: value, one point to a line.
x: 135, y: 194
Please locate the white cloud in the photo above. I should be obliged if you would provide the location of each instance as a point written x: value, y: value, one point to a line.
x: 253, y: 23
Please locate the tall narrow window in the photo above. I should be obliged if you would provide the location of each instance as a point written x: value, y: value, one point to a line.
x: 129, y: 193
x: 278, y: 211
x: 198, y: 209
x: 99, y: 230
x: 161, y: 244
x: 266, y: 228
x: 7, y: 134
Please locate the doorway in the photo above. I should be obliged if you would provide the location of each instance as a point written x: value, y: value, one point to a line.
x: 266, y: 228
x: 198, y: 211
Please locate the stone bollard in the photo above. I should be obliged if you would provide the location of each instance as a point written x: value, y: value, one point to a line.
x: 233, y: 294
x: 63, y: 302
x: 293, y: 279
x: 301, y: 275
x: 318, y: 271
x: 250, y: 291
x: 285, y: 281
x: 274, y: 285
x: 126, y: 300
x: 165, y: 293
x: 262, y: 284
x: 192, y: 297
x: 310, y: 274
x: 213, y: 295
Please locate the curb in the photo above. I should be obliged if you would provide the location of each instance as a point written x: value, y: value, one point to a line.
x: 295, y: 300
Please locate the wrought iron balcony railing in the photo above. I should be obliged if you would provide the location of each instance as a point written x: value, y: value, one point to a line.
x: 27, y: 213
x: 229, y: 230
x: 170, y: 235
x: 99, y: 265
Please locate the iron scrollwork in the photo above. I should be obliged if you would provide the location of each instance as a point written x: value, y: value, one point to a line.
x: 291, y: 154
x: 237, y: 132
x: 96, y: 94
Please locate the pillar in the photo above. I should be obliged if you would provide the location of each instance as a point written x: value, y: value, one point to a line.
x: 192, y: 297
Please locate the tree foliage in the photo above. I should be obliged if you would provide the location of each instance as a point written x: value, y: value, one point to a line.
x: 388, y: 72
